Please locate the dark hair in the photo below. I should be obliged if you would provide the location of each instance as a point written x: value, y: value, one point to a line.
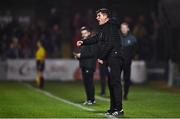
x: 104, y: 11
x: 125, y: 23
x: 85, y: 28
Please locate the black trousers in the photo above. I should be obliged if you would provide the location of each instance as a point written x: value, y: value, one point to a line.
x: 114, y: 82
x: 40, y: 65
x: 87, y: 75
x: 103, y: 71
x: 126, y: 76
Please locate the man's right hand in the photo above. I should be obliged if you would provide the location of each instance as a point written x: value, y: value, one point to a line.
x: 100, y: 61
x: 79, y: 43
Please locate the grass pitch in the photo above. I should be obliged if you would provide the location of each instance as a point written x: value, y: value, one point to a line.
x: 64, y: 100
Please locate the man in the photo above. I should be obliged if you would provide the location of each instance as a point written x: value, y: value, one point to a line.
x: 128, y: 42
x: 109, y: 51
x: 87, y: 58
x: 40, y: 64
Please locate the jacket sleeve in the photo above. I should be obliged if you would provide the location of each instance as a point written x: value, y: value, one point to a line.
x: 107, y: 45
x: 90, y: 41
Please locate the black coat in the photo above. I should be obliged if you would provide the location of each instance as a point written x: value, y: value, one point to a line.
x: 88, y: 56
x: 108, y: 41
x: 129, y: 46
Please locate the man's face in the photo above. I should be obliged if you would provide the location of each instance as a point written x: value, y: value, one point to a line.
x: 38, y: 44
x: 101, y: 18
x: 124, y: 29
x: 85, y: 34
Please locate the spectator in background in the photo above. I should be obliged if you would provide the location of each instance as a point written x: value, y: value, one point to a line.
x: 154, y: 35
x: 13, y: 52
x: 14, y: 49
x: 25, y: 45
x: 90, y: 21
x: 40, y: 64
x: 53, y: 18
x: 31, y: 35
x: 77, y: 22
x: 56, y: 40
x: 128, y: 42
x: 87, y: 58
x: 140, y: 32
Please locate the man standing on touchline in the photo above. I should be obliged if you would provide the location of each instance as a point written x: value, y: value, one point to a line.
x: 109, y: 50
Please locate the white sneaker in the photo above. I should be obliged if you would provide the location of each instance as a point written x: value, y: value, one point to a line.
x: 118, y: 113
x: 89, y: 102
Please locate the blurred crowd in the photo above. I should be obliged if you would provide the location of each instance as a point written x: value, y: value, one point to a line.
x: 18, y: 35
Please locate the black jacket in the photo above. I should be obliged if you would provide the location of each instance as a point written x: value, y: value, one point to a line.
x: 129, y: 46
x: 108, y: 40
x: 88, y: 56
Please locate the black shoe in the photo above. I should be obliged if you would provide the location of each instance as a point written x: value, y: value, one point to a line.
x: 118, y: 113
x: 109, y: 112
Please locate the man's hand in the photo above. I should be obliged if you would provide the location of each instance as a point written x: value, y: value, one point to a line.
x: 79, y: 43
x: 77, y: 55
x: 100, y: 61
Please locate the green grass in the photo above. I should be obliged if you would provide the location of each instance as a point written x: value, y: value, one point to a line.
x: 19, y: 100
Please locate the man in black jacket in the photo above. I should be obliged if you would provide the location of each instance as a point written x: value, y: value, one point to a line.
x: 87, y: 59
x: 128, y: 42
x: 109, y: 50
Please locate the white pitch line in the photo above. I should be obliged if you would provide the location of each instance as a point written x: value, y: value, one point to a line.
x: 108, y: 116
x: 69, y: 102
x: 60, y: 99
x: 102, y: 98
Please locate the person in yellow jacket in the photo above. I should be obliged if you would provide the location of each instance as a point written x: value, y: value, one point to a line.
x: 40, y: 64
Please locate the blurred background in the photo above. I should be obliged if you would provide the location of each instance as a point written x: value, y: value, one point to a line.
x: 155, y: 24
